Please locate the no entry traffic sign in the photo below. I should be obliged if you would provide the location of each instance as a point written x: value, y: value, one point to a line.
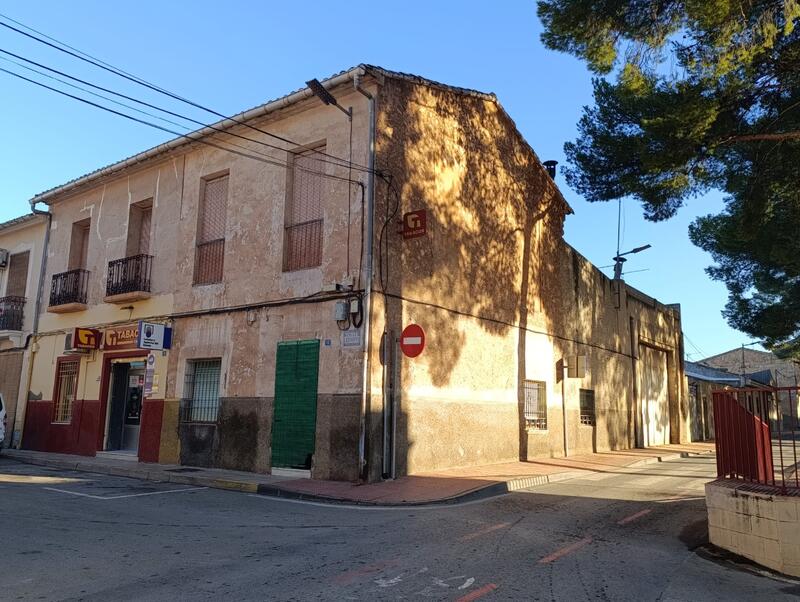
x: 412, y: 340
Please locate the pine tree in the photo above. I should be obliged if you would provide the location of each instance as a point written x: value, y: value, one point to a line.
x: 692, y: 96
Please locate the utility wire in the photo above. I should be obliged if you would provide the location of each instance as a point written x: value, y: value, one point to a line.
x: 152, y: 106
x: 194, y: 138
x: 87, y: 91
x: 83, y: 56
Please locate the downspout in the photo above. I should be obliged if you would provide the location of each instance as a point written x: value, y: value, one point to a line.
x: 19, y: 417
x: 367, y: 275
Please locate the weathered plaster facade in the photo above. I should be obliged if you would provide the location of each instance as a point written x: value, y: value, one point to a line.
x: 24, y: 236
x: 502, y: 298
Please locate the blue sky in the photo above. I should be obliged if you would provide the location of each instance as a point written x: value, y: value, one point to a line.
x: 235, y: 55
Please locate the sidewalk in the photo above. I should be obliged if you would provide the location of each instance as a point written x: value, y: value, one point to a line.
x: 441, y: 487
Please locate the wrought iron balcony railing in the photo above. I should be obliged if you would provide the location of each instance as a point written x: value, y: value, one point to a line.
x: 129, y: 275
x: 69, y: 287
x: 11, y: 313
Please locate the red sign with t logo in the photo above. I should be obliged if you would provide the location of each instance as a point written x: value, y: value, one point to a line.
x: 415, y: 224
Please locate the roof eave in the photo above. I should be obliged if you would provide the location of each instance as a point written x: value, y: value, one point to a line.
x: 48, y: 196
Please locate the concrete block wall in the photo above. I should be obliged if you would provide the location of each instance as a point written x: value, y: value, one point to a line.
x: 763, y: 527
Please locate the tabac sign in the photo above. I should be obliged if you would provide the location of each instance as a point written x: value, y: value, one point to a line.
x: 86, y: 338
x: 123, y: 337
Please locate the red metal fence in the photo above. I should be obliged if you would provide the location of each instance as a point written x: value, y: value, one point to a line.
x: 757, y: 435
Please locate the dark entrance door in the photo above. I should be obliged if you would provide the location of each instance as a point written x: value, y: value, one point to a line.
x: 295, y: 416
x: 125, y: 406
x: 116, y: 406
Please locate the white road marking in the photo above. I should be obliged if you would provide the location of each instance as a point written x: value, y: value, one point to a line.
x: 119, y: 497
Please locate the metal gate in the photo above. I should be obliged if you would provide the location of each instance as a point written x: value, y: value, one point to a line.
x: 295, y: 416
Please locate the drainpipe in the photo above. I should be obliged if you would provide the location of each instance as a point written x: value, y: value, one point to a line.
x: 19, y: 416
x: 367, y: 275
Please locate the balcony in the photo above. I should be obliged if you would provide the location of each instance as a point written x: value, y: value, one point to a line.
x: 128, y: 279
x: 68, y: 291
x: 11, y: 313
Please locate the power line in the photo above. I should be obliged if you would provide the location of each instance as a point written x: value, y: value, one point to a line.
x: 147, y: 104
x: 83, y: 56
x: 261, y: 157
x: 696, y: 348
x: 82, y: 89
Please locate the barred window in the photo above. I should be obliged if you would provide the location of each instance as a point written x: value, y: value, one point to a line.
x: 535, y: 404
x: 210, y: 249
x: 303, y: 225
x: 201, y: 391
x: 587, y: 407
x: 65, y: 390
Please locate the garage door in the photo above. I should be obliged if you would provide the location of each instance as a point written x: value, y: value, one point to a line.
x: 655, y: 399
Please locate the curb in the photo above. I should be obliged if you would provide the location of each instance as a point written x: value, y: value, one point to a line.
x: 492, y: 489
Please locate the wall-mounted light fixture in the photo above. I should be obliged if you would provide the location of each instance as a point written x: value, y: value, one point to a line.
x: 326, y: 97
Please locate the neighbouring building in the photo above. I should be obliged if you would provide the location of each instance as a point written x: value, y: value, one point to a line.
x: 702, y: 381
x: 286, y: 275
x: 22, y: 241
x: 764, y: 367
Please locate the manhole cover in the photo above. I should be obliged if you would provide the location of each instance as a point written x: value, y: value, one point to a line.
x: 183, y: 470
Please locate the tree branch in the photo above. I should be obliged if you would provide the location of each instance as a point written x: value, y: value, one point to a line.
x: 777, y: 136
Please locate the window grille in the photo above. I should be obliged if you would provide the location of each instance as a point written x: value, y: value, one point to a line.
x: 587, y: 407
x: 66, y: 387
x: 303, y: 229
x: 201, y: 391
x: 210, y: 249
x: 535, y: 404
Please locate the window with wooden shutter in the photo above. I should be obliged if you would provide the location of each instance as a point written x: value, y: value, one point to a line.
x: 210, y: 250
x: 139, y: 225
x: 303, y: 224
x: 17, y: 274
x: 79, y: 245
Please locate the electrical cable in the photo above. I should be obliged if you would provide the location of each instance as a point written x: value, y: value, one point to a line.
x: 66, y: 83
x: 83, y: 56
x: 384, y: 282
x: 157, y: 108
x: 504, y: 323
x: 263, y: 158
x: 349, y: 190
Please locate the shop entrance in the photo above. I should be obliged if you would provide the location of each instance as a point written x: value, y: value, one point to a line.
x: 125, y: 406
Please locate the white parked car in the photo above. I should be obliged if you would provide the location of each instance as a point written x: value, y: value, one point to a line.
x: 3, y: 419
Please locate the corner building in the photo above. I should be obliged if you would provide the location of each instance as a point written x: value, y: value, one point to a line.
x: 285, y: 344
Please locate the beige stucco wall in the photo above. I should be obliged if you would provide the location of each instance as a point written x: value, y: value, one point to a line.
x: 501, y: 297
x: 245, y: 339
x: 14, y: 355
x: 28, y: 236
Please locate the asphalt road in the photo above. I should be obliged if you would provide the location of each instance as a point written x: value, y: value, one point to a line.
x: 628, y: 535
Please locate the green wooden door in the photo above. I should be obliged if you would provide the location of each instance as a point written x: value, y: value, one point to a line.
x: 295, y: 417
